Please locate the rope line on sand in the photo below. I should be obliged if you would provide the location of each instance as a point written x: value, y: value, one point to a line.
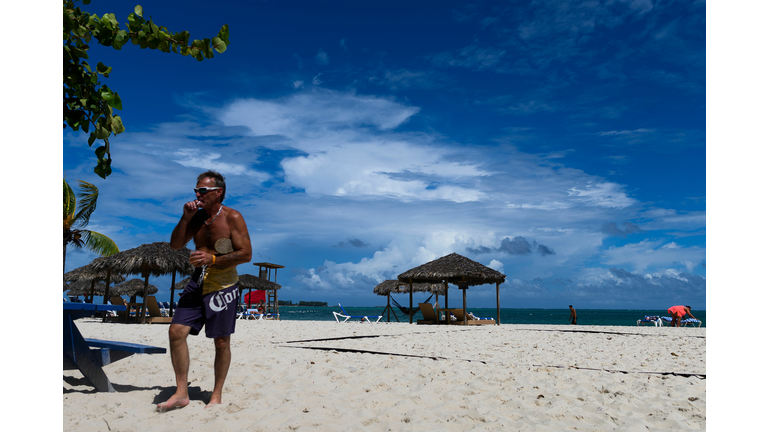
x: 609, y: 332
x: 382, y: 353
x: 472, y: 329
x: 358, y: 351
x: 680, y: 374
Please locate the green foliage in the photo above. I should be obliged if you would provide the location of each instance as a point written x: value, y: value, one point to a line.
x: 88, y: 104
x: 74, y: 223
x: 313, y: 303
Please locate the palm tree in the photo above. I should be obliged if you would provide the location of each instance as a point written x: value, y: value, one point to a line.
x: 75, y: 223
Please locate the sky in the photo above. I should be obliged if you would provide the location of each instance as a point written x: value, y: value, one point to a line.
x: 562, y: 143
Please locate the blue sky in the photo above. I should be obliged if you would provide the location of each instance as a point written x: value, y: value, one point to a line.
x: 561, y: 143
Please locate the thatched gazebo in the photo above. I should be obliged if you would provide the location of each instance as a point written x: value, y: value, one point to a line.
x: 88, y: 274
x: 251, y: 282
x: 458, y: 270
x: 152, y: 259
x: 392, y: 286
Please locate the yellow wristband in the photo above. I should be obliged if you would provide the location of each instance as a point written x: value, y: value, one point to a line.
x: 214, y: 259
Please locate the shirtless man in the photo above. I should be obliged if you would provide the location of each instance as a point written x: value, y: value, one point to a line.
x: 572, y: 319
x: 210, y: 298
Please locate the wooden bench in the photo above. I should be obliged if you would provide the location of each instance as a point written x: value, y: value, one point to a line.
x: 78, y: 351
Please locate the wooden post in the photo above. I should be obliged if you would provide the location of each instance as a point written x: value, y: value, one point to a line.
x: 173, y: 288
x: 106, y: 292
x: 144, y: 302
x: 464, y: 293
x: 93, y: 288
x: 447, y: 312
x: 410, y: 315
x: 498, y: 306
x: 388, y: 307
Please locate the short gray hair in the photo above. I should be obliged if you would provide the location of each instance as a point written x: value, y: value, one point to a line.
x: 218, y: 180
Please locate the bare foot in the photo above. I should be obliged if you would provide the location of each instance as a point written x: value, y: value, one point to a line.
x: 215, y: 400
x: 173, y: 403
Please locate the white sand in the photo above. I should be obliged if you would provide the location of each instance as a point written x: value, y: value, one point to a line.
x: 510, y: 377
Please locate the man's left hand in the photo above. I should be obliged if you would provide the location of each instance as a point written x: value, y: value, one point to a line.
x: 200, y: 258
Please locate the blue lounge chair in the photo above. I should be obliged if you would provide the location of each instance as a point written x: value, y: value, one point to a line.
x: 691, y: 321
x: 650, y: 319
x: 347, y: 316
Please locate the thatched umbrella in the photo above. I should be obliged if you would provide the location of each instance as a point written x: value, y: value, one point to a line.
x: 392, y: 286
x: 458, y: 270
x: 88, y: 273
x: 251, y: 282
x: 152, y: 259
x: 84, y: 288
x: 134, y: 287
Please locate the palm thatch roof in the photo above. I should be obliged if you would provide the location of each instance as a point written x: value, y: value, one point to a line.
x: 87, y: 273
x: 248, y: 281
x: 455, y: 269
x: 83, y: 288
x: 151, y: 259
x: 182, y: 284
x: 392, y: 286
x: 133, y: 287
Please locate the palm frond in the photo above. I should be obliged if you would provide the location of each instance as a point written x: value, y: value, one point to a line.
x: 99, y: 243
x: 69, y: 203
x: 88, y: 195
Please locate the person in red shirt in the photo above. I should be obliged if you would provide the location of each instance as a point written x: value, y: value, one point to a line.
x: 678, y: 312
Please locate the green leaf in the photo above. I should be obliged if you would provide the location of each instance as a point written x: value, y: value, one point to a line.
x: 115, y: 102
x: 103, y: 169
x: 224, y: 33
x: 117, y: 125
x: 92, y: 139
x: 138, y: 10
x: 101, y: 132
x: 219, y: 45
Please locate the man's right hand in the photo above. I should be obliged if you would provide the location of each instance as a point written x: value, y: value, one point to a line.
x: 190, y: 209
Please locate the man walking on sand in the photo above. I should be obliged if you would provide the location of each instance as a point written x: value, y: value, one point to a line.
x: 573, y: 315
x: 210, y: 298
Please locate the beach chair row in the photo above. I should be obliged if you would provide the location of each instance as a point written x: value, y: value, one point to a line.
x: 660, y: 321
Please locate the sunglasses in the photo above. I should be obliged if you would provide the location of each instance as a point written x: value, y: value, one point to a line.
x: 205, y: 190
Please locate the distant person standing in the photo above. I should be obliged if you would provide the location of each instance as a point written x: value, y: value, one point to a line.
x: 573, y: 315
x: 678, y: 312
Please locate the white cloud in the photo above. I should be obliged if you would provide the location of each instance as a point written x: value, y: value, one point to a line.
x: 603, y: 195
x: 322, y: 57
x: 653, y: 254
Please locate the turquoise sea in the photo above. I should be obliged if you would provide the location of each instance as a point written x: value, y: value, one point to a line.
x: 591, y: 317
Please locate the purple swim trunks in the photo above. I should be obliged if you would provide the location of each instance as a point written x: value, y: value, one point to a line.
x: 217, y: 310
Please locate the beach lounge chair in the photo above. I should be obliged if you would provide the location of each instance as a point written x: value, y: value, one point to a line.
x: 155, y: 314
x: 428, y: 312
x: 347, y: 316
x: 650, y: 319
x: 471, y: 318
x: 690, y: 321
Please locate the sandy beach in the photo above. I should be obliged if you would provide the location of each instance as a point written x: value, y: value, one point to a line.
x: 320, y: 376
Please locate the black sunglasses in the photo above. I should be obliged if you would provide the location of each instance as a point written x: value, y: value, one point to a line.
x: 205, y: 190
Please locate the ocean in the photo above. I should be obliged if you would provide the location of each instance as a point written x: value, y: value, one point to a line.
x: 590, y: 317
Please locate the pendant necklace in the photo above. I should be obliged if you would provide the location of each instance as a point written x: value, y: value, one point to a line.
x: 214, y: 218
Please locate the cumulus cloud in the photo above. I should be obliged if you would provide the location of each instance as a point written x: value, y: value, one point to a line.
x: 352, y: 242
x: 654, y: 254
x: 612, y: 229
x: 515, y: 246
